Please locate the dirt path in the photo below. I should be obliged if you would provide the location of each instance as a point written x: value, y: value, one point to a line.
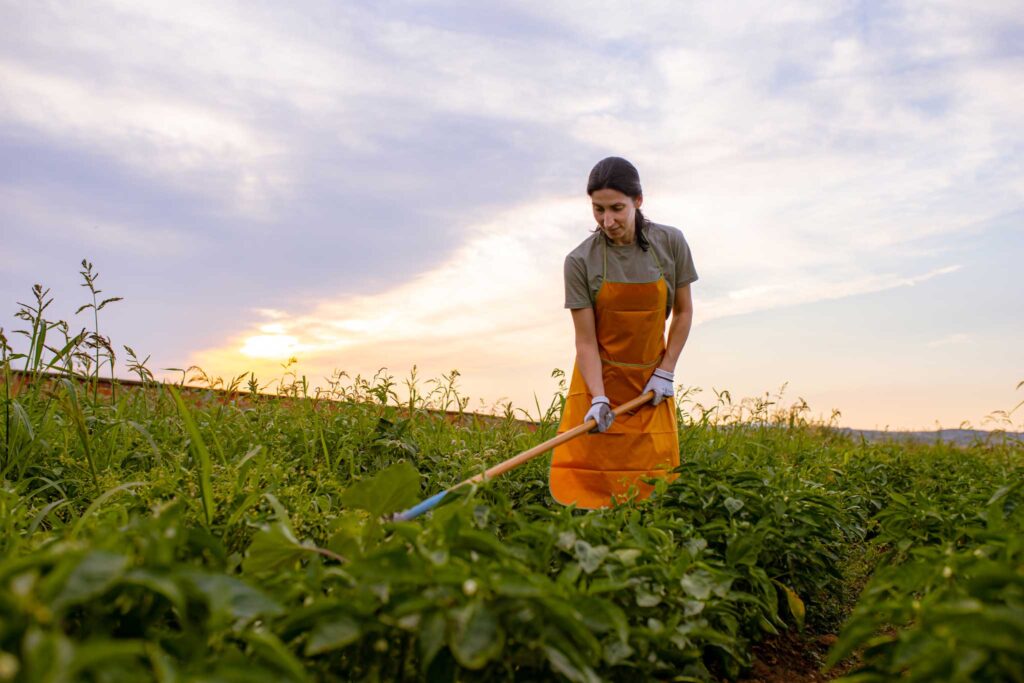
x: 794, y: 658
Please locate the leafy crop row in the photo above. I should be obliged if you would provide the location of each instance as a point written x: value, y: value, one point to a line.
x: 168, y: 534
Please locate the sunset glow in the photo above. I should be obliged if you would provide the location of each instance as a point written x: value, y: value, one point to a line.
x: 270, y: 346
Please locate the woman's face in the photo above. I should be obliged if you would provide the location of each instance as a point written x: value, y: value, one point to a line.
x: 615, y: 213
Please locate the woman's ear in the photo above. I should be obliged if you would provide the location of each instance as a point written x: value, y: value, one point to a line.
x: 638, y: 201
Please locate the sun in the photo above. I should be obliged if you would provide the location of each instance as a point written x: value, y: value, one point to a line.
x: 272, y: 346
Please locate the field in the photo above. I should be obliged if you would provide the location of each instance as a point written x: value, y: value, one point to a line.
x: 160, y: 533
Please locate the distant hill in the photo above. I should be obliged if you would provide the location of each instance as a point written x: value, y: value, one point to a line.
x: 962, y: 437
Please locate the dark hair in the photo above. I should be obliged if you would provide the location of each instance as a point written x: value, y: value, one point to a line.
x: 615, y: 173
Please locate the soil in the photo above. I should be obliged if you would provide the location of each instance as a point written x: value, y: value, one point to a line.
x: 792, y: 657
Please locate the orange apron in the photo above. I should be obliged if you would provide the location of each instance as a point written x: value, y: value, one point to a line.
x: 594, y: 470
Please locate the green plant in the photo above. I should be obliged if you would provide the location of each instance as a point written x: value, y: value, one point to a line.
x: 215, y: 532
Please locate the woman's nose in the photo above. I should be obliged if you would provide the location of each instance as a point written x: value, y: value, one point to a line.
x: 609, y: 220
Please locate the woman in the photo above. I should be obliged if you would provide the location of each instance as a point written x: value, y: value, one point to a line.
x: 621, y: 284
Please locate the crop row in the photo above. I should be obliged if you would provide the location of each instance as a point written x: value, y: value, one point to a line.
x: 152, y: 534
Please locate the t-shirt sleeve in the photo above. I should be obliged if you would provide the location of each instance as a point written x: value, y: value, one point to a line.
x: 577, y: 290
x: 686, y: 272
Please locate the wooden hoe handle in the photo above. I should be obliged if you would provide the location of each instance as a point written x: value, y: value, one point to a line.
x: 517, y: 460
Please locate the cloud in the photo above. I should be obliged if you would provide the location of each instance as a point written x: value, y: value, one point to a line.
x: 493, y: 310
x: 809, y: 151
x: 94, y: 232
x: 956, y: 339
x: 153, y: 132
x: 793, y: 291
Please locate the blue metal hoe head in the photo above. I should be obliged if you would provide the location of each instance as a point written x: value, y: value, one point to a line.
x: 419, y: 508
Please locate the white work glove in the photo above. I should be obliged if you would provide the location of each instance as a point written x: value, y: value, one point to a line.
x: 600, y: 410
x: 661, y: 384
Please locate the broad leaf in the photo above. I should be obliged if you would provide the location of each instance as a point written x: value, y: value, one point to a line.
x: 270, y: 648
x: 332, y: 634
x: 431, y: 638
x: 229, y: 598
x: 477, y: 637
x: 162, y: 585
x: 733, y: 505
x: 391, y: 490
x: 91, y: 578
x: 590, y: 557
x: 273, y: 549
x: 578, y: 673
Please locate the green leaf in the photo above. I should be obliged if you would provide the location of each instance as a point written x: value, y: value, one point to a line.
x: 432, y: 632
x: 646, y: 598
x: 570, y: 574
x: 743, y: 549
x: 230, y: 599
x: 99, y: 655
x: 349, y: 528
x: 628, y: 556
x: 696, y: 546
x: 578, y: 673
x: 698, y: 584
x: 97, y: 572
x: 332, y: 634
x: 590, y: 557
x: 161, y: 585
x: 562, y: 616
x: 273, y: 549
x: 270, y: 648
x: 477, y: 637
x: 40, y: 345
x: 164, y: 670
x: 100, y: 500
x: 513, y: 585
x: 201, y: 453
x: 391, y: 490
x: 22, y: 419
x: 733, y: 505
x: 46, y: 655
x: 57, y: 356
x: 602, y: 616
x: 280, y: 511
x: 617, y: 652
x: 109, y: 301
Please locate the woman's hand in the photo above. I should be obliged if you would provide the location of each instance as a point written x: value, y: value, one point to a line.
x: 661, y: 384
x: 600, y: 410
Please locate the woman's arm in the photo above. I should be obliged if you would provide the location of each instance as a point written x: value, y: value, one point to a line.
x: 587, y: 358
x: 679, y: 328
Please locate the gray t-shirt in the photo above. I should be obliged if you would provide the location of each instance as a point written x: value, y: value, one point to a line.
x: 629, y: 263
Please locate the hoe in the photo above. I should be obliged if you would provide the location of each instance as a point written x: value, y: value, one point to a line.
x: 517, y: 460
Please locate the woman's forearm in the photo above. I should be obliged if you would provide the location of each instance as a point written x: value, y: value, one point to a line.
x: 679, y: 328
x: 678, y: 332
x: 588, y: 360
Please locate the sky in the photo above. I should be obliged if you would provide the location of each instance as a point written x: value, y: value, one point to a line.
x: 366, y: 185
